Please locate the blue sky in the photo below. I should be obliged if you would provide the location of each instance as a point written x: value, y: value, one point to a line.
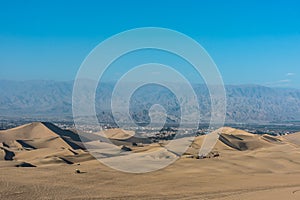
x: 252, y: 42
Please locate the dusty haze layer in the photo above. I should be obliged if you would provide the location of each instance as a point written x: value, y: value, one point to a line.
x: 39, y: 160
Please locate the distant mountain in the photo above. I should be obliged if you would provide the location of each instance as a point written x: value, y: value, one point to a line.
x: 35, y: 98
x: 245, y: 103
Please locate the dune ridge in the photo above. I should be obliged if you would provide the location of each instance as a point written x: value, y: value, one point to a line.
x: 42, y: 143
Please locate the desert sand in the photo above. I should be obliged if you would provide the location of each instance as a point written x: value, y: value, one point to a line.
x: 39, y: 161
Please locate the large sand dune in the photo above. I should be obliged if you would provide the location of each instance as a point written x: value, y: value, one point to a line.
x: 38, y: 161
x: 39, y: 143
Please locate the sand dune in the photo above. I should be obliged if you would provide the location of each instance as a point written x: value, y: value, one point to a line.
x: 39, y: 130
x: 118, y: 134
x: 231, y: 139
x: 233, y: 131
x: 38, y: 143
x: 27, y: 131
x: 246, y: 164
x: 123, y: 137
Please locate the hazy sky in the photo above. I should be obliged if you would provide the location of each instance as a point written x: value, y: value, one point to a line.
x: 252, y: 42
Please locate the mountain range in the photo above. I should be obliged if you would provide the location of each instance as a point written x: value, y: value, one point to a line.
x: 245, y: 103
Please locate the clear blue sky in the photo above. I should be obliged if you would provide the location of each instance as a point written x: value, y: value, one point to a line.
x: 252, y: 42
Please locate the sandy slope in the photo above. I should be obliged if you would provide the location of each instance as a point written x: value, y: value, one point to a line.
x: 248, y: 167
x: 293, y: 138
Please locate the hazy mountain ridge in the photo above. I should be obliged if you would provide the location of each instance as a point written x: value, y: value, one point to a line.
x: 245, y: 103
x: 35, y: 98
